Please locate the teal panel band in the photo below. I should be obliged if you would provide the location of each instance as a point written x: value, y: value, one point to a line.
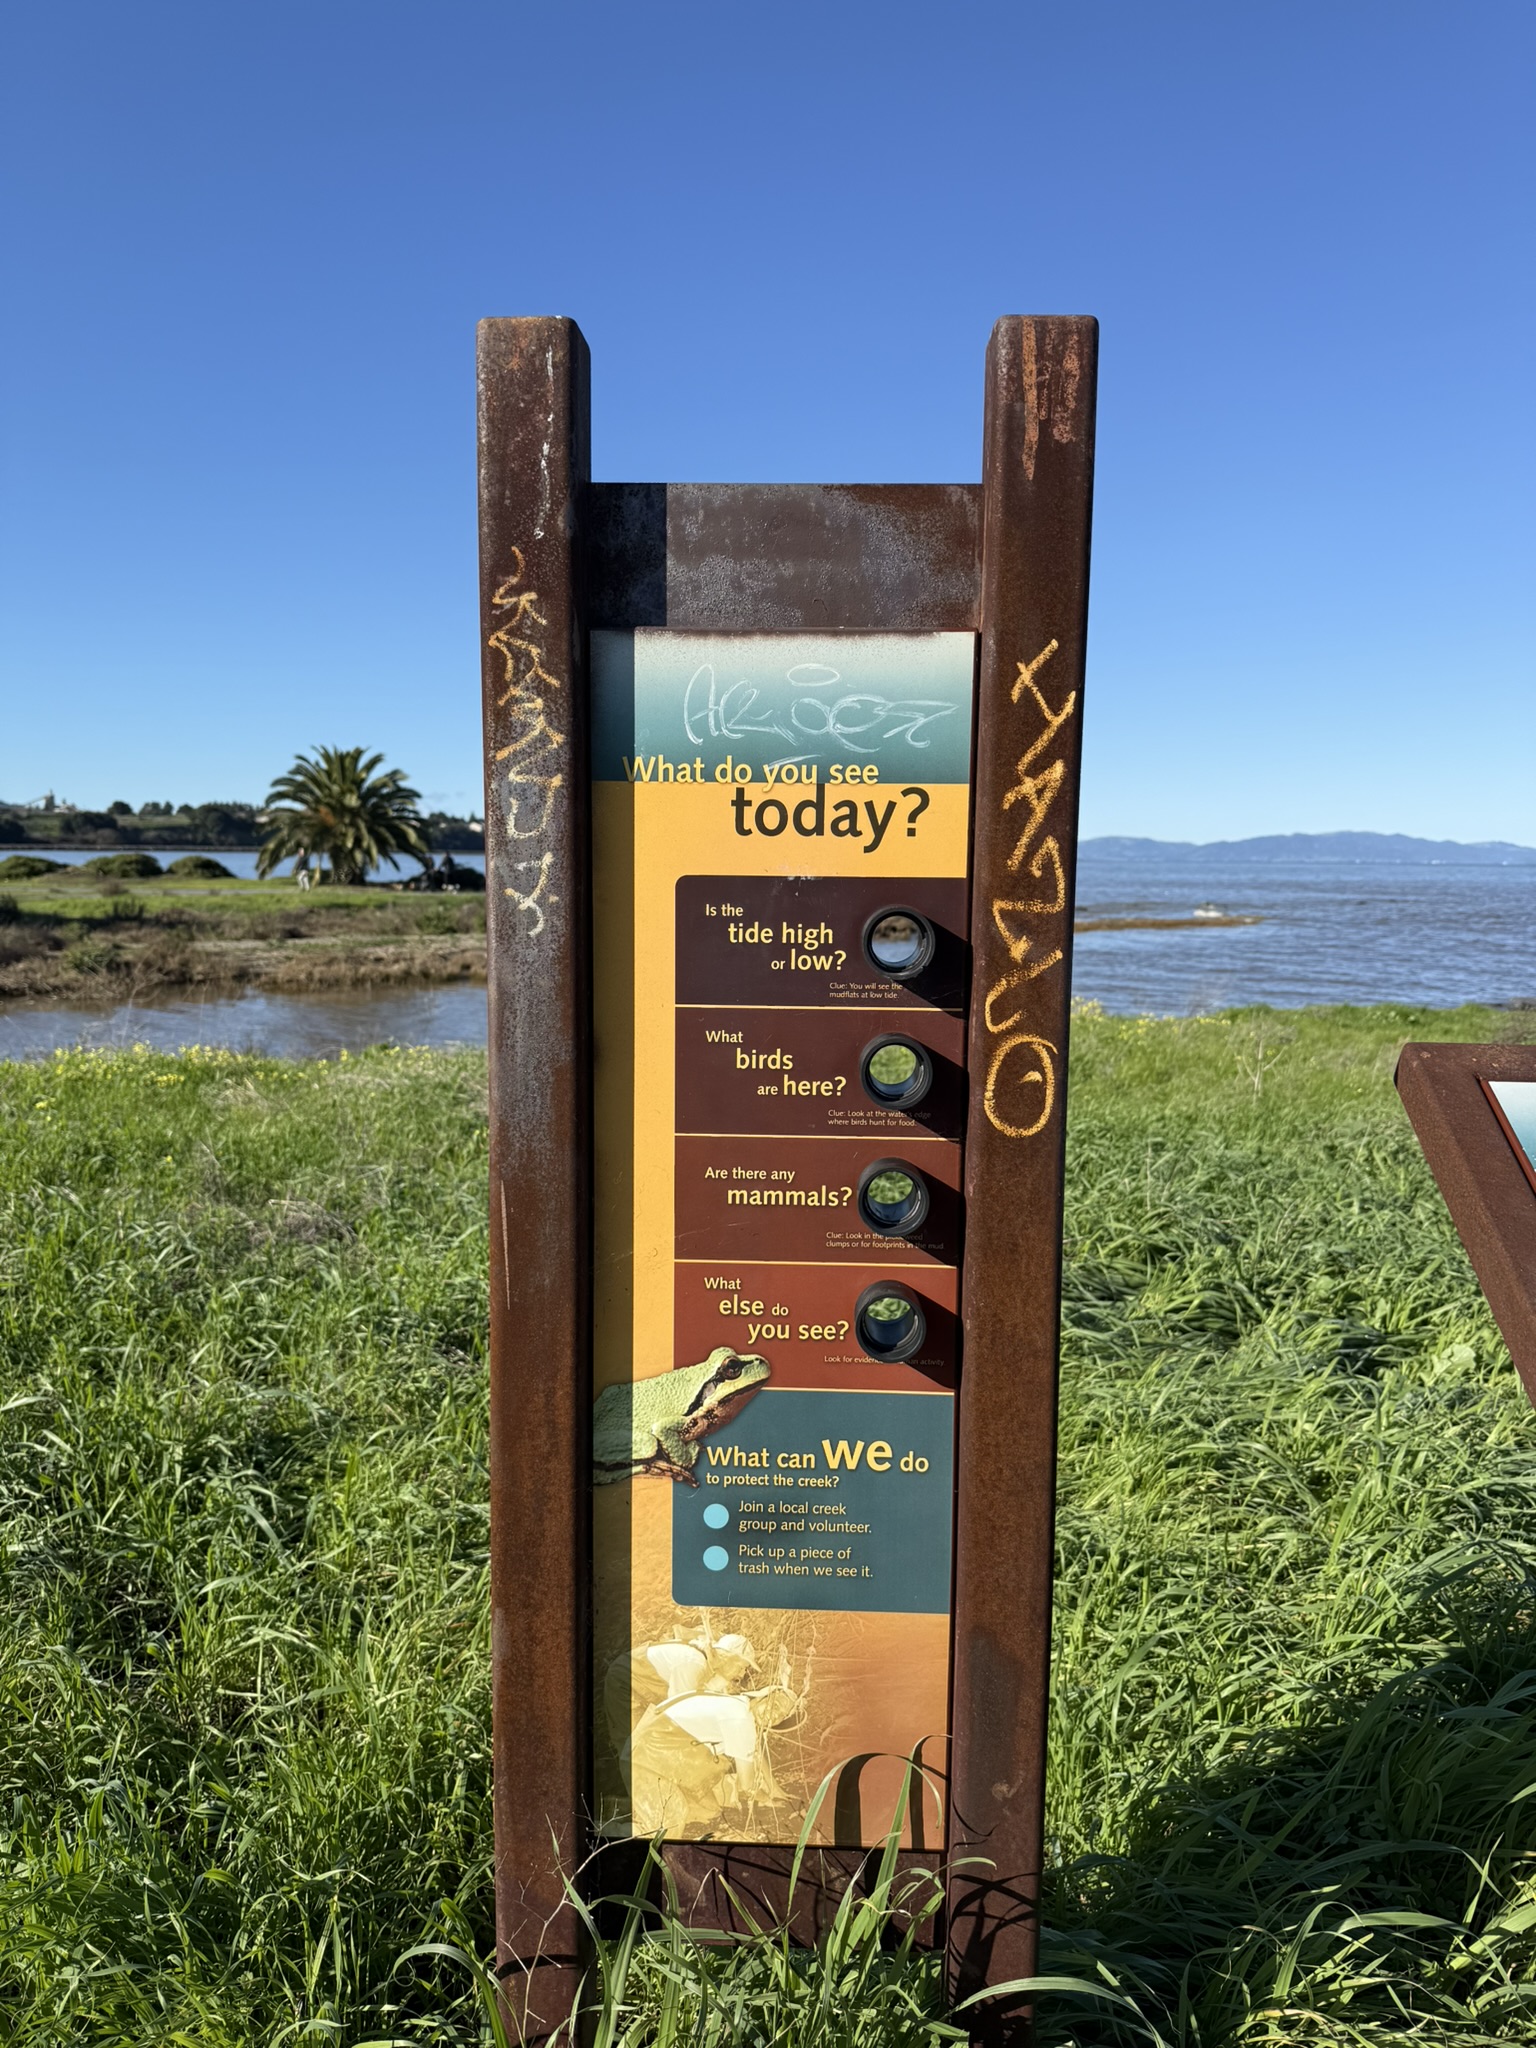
x: 735, y: 706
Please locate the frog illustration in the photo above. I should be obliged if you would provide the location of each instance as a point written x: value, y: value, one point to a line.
x: 654, y: 1425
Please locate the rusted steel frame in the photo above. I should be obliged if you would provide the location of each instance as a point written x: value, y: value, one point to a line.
x: 534, y: 465
x: 773, y: 558
x: 751, y: 558
x: 1037, y: 481
x: 1485, y: 1188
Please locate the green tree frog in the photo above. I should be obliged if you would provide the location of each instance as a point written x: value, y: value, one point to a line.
x: 654, y: 1425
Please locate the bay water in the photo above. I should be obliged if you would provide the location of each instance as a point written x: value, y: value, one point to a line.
x: 1329, y: 930
x: 1426, y: 932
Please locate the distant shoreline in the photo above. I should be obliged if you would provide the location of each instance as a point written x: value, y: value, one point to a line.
x: 1366, y: 848
x: 457, y: 835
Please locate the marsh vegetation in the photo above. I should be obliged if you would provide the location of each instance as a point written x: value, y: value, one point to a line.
x: 88, y: 934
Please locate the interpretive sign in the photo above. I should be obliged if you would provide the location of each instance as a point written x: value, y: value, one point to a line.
x: 780, y: 834
x: 1473, y: 1108
x: 780, y: 829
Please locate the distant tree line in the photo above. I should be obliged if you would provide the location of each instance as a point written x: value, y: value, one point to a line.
x: 217, y: 827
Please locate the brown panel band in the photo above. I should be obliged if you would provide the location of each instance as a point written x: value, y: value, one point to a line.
x: 534, y: 461
x: 1037, y: 485
x: 778, y: 558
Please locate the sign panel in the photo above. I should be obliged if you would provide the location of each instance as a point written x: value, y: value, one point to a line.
x: 1514, y: 1104
x: 780, y: 830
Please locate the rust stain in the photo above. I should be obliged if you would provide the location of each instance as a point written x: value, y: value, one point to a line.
x: 1064, y: 414
x: 1031, y: 400
x: 545, y: 488
x: 1050, y: 393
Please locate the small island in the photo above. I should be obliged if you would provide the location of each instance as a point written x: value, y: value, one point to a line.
x: 1204, y: 919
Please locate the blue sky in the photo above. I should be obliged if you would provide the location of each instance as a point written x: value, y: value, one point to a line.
x: 247, y: 246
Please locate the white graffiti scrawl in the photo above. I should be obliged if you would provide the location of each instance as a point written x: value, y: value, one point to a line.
x: 535, y: 750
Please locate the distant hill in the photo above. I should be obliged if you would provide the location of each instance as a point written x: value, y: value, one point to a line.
x: 1373, y: 847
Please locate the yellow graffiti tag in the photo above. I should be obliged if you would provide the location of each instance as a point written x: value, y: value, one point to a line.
x: 1028, y: 925
x: 1042, y: 1075
x: 1016, y: 980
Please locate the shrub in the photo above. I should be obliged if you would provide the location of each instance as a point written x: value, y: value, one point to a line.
x: 199, y: 867
x: 10, y: 910
x: 130, y: 867
x: 27, y: 939
x: 439, y: 920
x: 90, y: 955
x: 25, y: 867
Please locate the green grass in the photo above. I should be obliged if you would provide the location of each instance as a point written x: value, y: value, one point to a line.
x: 1296, y: 1628
x: 78, y: 896
x: 244, y: 1744
x: 243, y: 1759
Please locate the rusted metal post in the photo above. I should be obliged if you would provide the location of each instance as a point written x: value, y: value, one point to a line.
x: 534, y: 467
x: 1036, y: 484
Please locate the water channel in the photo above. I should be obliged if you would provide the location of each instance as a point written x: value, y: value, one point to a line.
x: 297, y: 1027
x: 1322, y: 931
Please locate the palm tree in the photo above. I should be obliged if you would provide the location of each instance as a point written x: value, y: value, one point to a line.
x: 335, y: 806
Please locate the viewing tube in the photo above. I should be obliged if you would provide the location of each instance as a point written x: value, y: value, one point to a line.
x: 899, y: 942
x: 895, y: 1071
x: 893, y: 1198
x: 888, y: 1321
